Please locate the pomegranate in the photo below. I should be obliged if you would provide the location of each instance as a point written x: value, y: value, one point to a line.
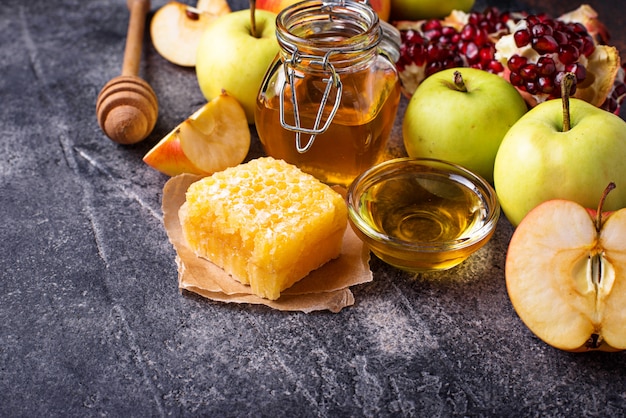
x: 459, y: 40
x: 530, y: 51
x: 540, y: 50
x: 617, y: 95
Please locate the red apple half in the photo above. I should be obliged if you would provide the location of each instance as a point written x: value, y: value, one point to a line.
x: 176, y: 28
x: 566, y: 276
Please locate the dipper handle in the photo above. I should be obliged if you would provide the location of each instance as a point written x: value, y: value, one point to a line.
x: 134, y: 38
x: 127, y: 107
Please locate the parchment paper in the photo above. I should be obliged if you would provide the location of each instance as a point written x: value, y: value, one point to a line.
x: 327, y: 288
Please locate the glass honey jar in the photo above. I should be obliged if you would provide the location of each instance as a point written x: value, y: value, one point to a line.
x: 329, y: 100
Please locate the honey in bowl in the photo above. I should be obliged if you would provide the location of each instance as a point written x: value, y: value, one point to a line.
x: 422, y: 215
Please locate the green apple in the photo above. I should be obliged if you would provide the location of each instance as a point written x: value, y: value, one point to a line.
x: 539, y: 160
x: 232, y: 58
x: 461, y: 115
x: 427, y: 9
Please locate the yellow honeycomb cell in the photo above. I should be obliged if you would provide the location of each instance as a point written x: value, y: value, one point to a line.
x: 266, y: 223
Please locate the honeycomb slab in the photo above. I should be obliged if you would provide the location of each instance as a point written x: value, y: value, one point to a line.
x: 266, y: 223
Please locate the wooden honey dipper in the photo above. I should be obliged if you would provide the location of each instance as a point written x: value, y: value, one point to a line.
x: 127, y: 107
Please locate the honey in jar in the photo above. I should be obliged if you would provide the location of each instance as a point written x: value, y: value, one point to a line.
x: 329, y: 100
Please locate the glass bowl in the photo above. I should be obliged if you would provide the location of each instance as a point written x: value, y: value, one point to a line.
x: 422, y: 214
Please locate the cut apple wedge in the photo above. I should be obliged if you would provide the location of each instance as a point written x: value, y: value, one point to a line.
x: 566, y: 276
x: 176, y: 28
x: 213, y: 138
x: 214, y: 7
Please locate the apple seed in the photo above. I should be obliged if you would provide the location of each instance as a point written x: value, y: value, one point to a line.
x: 192, y: 13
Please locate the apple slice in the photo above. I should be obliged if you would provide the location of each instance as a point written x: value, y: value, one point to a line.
x: 566, y: 275
x: 214, y: 7
x: 213, y: 138
x: 176, y: 28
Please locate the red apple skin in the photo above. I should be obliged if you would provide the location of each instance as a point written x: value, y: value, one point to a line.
x: 382, y: 7
x: 168, y: 158
x: 594, y: 214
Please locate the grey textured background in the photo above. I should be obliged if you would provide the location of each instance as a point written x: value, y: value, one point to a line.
x: 92, y: 322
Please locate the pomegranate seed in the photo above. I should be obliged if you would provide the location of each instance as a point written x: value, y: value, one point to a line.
x: 516, y: 79
x: 448, y: 31
x: 413, y: 37
x: 516, y: 62
x: 487, y: 53
x: 473, y: 18
x: 546, y: 85
x: 471, y: 52
x: 578, y: 27
x: 433, y: 33
x: 432, y: 24
x: 522, y: 37
x: 531, y: 87
x: 560, y: 37
x: 610, y: 104
x: 532, y: 20
x: 468, y: 33
x: 432, y: 52
x: 588, y: 47
x: 433, y: 67
x: 545, y: 44
x: 528, y: 72
x: 546, y: 66
x: 568, y: 54
x: 541, y: 29
x: 482, y: 37
x: 578, y: 69
x: 495, y: 67
x: 417, y: 52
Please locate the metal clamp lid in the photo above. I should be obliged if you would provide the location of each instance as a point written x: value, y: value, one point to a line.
x: 332, y: 81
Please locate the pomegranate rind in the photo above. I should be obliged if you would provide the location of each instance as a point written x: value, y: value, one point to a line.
x: 602, y: 69
x: 617, y: 95
x: 587, y: 15
x: 547, y: 280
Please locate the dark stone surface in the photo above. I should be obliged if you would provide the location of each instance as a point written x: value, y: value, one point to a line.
x: 92, y: 322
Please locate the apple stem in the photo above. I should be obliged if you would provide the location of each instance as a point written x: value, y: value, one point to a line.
x: 608, y: 189
x: 253, y: 17
x: 459, y: 82
x: 566, y: 87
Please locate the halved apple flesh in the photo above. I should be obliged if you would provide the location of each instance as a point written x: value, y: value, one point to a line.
x: 213, y: 138
x: 566, y: 280
x: 176, y: 28
x: 214, y: 7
